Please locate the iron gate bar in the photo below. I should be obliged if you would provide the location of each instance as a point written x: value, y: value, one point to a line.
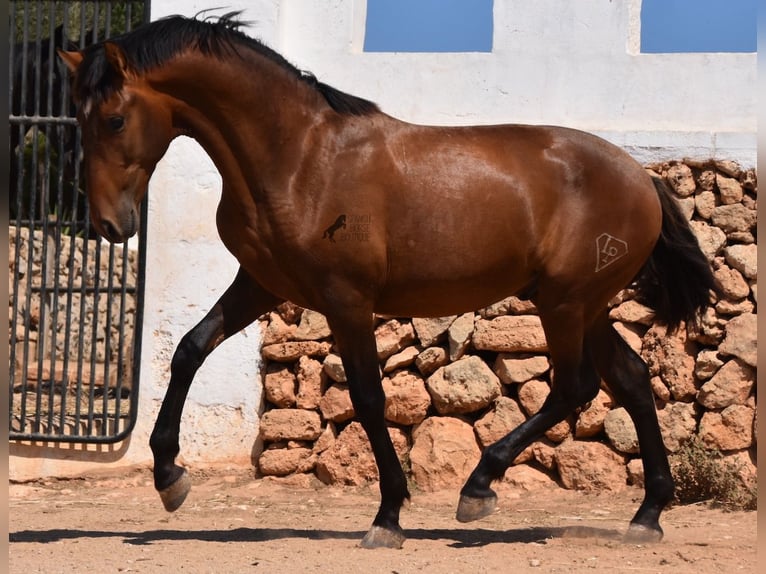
x: 48, y: 148
x: 42, y: 120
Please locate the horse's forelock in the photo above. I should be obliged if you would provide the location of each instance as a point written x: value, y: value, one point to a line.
x: 96, y: 80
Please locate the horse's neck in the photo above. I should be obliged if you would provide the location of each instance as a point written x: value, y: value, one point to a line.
x: 248, y: 118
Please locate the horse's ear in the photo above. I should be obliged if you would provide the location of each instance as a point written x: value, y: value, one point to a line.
x: 71, y: 59
x: 116, y: 58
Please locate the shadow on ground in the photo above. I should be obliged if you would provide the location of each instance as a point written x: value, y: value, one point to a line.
x: 460, y: 538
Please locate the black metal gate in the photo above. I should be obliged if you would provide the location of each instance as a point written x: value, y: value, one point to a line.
x: 75, y: 302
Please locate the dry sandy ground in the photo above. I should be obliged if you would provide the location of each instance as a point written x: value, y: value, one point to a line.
x: 232, y: 523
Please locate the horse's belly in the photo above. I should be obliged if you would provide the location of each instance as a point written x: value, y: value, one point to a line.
x: 420, y: 297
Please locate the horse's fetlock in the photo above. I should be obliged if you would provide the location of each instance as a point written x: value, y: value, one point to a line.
x: 661, y: 488
x: 493, y: 462
x: 164, y: 444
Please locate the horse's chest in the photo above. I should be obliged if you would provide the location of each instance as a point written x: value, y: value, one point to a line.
x: 253, y: 245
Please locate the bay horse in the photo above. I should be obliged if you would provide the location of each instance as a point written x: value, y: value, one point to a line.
x: 457, y: 218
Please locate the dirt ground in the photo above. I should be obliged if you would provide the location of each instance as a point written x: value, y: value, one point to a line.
x: 233, y: 523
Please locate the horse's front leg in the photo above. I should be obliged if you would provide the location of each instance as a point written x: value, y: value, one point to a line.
x: 354, y: 336
x: 240, y: 305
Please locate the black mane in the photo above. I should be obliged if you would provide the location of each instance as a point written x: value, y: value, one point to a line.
x: 153, y: 44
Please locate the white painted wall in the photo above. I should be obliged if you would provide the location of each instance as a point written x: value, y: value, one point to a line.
x: 568, y: 62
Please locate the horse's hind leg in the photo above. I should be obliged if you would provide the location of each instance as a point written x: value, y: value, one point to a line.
x: 239, y: 306
x: 575, y: 383
x: 627, y: 376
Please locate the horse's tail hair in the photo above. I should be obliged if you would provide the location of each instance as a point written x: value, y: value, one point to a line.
x: 677, y: 280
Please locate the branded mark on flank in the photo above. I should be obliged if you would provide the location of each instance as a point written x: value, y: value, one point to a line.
x: 608, y: 250
x: 349, y: 228
x: 339, y: 223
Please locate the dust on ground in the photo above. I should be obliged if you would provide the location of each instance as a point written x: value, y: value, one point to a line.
x: 235, y: 523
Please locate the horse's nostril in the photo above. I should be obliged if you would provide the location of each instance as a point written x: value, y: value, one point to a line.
x: 110, y: 232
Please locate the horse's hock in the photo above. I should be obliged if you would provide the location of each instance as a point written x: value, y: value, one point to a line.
x: 456, y: 384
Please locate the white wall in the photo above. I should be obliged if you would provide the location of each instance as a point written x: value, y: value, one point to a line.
x: 565, y: 62
x: 573, y: 63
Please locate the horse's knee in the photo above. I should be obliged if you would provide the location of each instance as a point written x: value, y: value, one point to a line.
x: 187, y: 358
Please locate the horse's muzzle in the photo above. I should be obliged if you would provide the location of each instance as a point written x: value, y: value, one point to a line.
x: 119, y: 232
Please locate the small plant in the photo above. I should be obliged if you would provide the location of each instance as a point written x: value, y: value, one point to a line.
x: 702, y: 474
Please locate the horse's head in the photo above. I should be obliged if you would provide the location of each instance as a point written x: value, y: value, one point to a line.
x: 126, y: 129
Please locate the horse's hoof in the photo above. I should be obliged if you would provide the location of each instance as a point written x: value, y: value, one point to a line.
x: 174, y: 495
x: 470, y: 508
x: 640, y: 534
x: 379, y: 537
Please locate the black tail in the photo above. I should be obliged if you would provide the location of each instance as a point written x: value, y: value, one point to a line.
x: 677, y: 280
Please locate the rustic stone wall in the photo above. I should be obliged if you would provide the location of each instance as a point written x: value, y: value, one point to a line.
x: 456, y: 384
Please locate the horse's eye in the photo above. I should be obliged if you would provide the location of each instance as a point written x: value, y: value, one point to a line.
x: 116, y: 123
